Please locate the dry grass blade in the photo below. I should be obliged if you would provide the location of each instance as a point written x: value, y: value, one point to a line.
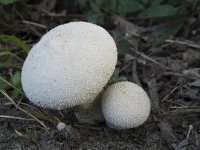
x: 186, y: 43
x: 152, y: 86
x: 55, y: 14
x: 126, y: 25
x: 42, y: 114
x: 142, y: 54
x: 136, y: 31
x: 26, y: 112
x: 14, y: 117
x: 171, y: 92
x: 35, y: 24
x: 182, y: 111
x: 89, y: 127
x: 176, y: 74
x: 134, y: 73
x: 168, y: 133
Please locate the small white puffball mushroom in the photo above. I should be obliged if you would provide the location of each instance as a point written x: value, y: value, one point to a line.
x: 125, y: 105
x: 69, y: 66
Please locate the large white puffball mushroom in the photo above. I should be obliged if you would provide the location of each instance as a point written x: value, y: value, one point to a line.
x: 125, y: 105
x: 69, y: 66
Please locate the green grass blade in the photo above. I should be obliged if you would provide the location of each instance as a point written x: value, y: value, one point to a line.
x: 5, y: 2
x: 11, y: 85
x: 8, y: 65
x: 7, y: 53
x: 15, y: 40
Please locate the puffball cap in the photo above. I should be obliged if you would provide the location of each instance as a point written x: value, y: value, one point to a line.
x: 69, y: 66
x: 125, y: 105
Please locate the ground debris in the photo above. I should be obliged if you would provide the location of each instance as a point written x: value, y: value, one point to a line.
x: 170, y: 74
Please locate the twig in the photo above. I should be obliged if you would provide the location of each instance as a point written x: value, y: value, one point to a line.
x: 35, y: 31
x: 181, y: 112
x: 124, y: 68
x: 179, y: 75
x: 29, y: 114
x: 157, y: 63
x: 167, y: 133
x: 189, y: 131
x: 150, y: 59
x: 34, y: 24
x: 171, y: 92
x: 185, y: 107
x: 186, y: 43
x: 174, y: 102
x: 194, y: 72
x: 153, y: 94
x: 88, y: 127
x: 14, y: 117
x: 137, y: 31
x: 134, y: 73
x: 190, y: 96
x: 53, y: 14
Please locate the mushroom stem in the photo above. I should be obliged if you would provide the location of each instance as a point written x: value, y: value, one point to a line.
x: 90, y: 112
